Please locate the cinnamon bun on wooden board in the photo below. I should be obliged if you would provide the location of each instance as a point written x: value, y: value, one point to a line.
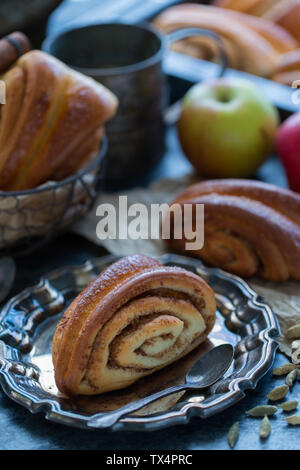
x: 285, y: 13
x: 250, y: 228
x: 252, y: 44
x: 135, y: 318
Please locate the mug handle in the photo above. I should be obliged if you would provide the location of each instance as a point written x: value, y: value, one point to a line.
x: 172, y: 113
x: 183, y: 33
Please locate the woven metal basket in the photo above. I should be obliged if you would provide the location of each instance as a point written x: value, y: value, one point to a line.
x: 29, y: 219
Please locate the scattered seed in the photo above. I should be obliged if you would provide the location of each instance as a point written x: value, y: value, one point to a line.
x: 265, y: 428
x: 263, y: 410
x: 278, y: 393
x: 291, y: 377
x: 295, y: 345
x: 289, y: 405
x: 296, y: 357
x: 294, y: 420
x: 285, y: 369
x: 293, y: 332
x: 233, y: 434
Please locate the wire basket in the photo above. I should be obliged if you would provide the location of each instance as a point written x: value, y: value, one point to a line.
x: 29, y: 219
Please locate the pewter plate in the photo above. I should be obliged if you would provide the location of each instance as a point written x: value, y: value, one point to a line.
x: 28, y: 322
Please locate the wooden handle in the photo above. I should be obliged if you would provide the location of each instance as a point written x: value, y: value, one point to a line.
x: 11, y: 47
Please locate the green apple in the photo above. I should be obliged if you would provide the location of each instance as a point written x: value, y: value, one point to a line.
x: 227, y: 128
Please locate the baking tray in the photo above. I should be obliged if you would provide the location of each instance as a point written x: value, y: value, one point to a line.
x: 28, y: 322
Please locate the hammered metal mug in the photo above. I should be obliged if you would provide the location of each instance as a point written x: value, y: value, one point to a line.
x: 127, y: 59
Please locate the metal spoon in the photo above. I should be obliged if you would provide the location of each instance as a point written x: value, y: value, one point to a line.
x: 205, y: 372
x: 7, y: 276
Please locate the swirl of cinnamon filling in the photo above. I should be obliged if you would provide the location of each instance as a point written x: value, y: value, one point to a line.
x: 250, y: 228
x: 134, y: 319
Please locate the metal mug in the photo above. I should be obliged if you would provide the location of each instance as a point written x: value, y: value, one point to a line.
x: 127, y: 59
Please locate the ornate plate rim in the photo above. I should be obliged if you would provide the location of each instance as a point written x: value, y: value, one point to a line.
x: 10, y: 360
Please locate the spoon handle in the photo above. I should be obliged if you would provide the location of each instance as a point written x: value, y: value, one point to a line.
x: 105, y: 420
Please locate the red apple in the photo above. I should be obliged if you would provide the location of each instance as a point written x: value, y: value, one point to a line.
x: 288, y: 148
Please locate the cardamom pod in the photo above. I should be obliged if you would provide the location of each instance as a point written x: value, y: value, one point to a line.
x: 289, y: 405
x: 265, y: 428
x: 291, y: 377
x: 233, y: 434
x: 293, y: 332
x: 295, y: 345
x: 285, y: 369
x: 263, y: 410
x: 296, y: 357
x: 294, y: 420
x: 278, y: 393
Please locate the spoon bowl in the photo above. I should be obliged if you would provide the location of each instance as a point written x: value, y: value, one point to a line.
x: 210, y: 367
